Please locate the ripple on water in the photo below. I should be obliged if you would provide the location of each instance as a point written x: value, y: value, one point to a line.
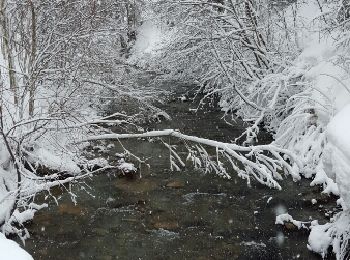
x: 190, y: 197
x: 164, y: 233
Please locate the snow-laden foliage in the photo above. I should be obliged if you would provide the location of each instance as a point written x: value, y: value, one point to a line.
x: 335, y: 234
x: 283, y: 66
x: 61, y: 64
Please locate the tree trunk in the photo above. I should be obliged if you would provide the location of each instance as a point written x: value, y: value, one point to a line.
x: 32, y: 85
x: 7, y: 51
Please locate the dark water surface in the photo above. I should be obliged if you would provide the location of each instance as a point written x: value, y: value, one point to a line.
x: 175, y: 215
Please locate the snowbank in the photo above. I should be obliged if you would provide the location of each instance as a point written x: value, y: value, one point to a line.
x: 329, y: 84
x: 10, y: 250
x: 338, y: 131
x: 339, y: 140
x: 335, y: 234
x: 55, y: 160
x: 319, y: 240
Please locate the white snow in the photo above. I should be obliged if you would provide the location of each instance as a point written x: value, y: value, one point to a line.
x: 126, y: 167
x: 283, y: 218
x: 10, y: 250
x: 338, y: 131
x: 254, y: 244
x: 339, y: 139
x: 319, y: 241
x: 60, y: 161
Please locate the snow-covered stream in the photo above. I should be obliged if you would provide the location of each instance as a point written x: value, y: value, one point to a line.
x: 182, y: 215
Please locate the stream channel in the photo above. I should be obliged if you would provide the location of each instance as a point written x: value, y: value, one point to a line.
x: 176, y: 215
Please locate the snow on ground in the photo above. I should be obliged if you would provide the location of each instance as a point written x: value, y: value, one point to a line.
x: 60, y: 161
x: 10, y: 250
x: 338, y: 133
x: 331, y: 91
x: 319, y: 241
x: 335, y: 234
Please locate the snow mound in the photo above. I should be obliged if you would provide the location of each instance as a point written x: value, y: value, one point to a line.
x: 61, y: 162
x: 10, y: 250
x: 335, y: 234
x: 339, y: 139
x: 319, y: 240
x: 126, y: 167
x: 338, y: 131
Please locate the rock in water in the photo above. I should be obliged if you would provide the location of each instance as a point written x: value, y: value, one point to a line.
x: 136, y: 186
x: 175, y: 184
x: 70, y: 209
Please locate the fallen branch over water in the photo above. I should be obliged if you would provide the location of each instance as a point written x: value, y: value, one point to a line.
x: 262, y: 162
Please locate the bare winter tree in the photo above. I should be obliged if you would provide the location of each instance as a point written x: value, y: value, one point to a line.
x: 59, y: 62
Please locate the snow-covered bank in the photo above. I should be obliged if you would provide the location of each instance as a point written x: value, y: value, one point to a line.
x: 10, y: 250
x: 339, y: 151
x: 323, y: 62
x: 337, y: 232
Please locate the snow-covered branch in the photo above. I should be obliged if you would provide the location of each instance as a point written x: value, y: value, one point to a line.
x: 254, y: 160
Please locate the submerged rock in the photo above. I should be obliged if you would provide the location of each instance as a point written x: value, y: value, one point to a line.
x: 175, y: 184
x: 168, y: 225
x: 163, y: 220
x: 136, y: 186
x: 71, y: 209
x: 290, y: 226
x: 127, y: 170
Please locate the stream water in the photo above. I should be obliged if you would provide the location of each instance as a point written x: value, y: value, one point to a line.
x: 176, y: 215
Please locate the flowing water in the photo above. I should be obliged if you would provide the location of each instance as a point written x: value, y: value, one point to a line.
x: 175, y: 215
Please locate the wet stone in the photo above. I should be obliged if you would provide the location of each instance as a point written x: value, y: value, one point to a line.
x: 163, y: 220
x: 168, y: 225
x: 290, y: 226
x: 175, y: 184
x: 71, y: 209
x: 136, y: 186
x: 43, y: 218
